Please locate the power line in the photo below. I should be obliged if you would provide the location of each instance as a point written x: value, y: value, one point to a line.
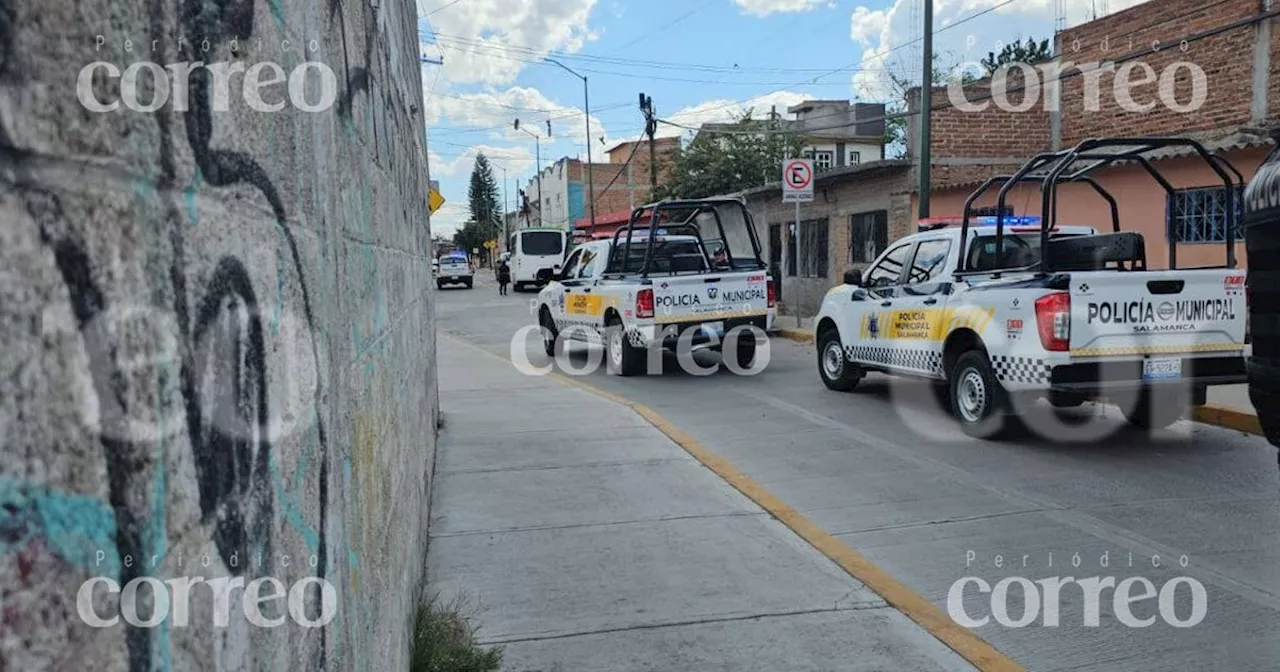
x: 1191, y: 39
x: 441, y: 9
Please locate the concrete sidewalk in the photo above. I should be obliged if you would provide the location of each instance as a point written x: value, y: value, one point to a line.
x: 585, y: 539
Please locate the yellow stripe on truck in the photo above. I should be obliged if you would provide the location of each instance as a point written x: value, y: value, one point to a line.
x: 1157, y: 350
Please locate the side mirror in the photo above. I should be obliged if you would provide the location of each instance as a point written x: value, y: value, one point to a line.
x: 853, y: 277
x: 545, y: 275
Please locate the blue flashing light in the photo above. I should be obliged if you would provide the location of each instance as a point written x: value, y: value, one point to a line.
x: 992, y: 220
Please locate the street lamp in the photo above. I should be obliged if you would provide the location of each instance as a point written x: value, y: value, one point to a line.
x: 586, y: 109
x: 537, y: 144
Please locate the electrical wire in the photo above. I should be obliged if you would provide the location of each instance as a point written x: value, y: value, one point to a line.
x: 1191, y: 39
x: 625, y: 165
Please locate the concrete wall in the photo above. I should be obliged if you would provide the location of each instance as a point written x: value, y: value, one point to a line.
x: 218, y: 336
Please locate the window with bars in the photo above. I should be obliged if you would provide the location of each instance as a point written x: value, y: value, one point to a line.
x: 868, y: 236
x: 1200, y: 215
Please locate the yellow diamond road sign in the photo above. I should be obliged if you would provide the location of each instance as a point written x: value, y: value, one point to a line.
x: 434, y: 200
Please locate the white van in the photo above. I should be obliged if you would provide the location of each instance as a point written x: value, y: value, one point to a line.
x: 532, y: 250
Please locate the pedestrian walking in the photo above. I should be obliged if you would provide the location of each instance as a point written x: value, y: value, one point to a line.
x: 504, y: 277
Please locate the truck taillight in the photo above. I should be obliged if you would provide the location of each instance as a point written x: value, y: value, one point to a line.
x: 1053, y: 318
x: 644, y: 303
x: 773, y: 298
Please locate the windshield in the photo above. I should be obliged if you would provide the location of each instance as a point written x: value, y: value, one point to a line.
x: 725, y: 228
x: 542, y: 243
x: 669, y: 256
x: 1020, y: 250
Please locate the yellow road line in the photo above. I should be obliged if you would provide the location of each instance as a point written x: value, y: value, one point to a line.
x: 913, y: 605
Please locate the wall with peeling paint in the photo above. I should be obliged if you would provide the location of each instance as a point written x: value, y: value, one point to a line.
x: 217, y: 334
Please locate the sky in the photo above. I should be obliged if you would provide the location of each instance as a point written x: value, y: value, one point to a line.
x: 700, y: 60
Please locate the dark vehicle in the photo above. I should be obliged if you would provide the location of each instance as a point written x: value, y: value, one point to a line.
x: 1262, y: 238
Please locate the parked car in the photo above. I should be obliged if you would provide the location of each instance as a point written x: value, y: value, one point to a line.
x: 454, y: 271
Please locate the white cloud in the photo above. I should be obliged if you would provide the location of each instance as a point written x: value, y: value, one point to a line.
x: 491, y: 41
x: 886, y: 34
x: 867, y: 24
x: 766, y: 7
x: 449, y: 218
x: 729, y: 110
x: 515, y: 158
x: 499, y: 110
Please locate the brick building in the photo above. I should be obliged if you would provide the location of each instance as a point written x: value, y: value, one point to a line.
x: 566, y: 190
x: 1159, y: 50
x: 623, y: 184
x: 855, y: 212
x: 1235, y: 43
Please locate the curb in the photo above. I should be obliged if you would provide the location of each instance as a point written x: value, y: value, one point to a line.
x: 1227, y: 418
x: 795, y: 335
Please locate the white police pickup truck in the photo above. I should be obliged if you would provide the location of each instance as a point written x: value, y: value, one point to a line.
x: 1011, y: 309
x: 691, y: 277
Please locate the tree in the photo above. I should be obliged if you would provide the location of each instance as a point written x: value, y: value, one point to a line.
x: 895, y: 127
x: 723, y: 163
x: 1030, y: 51
x: 482, y: 198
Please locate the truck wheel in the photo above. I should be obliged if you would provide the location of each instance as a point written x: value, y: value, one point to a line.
x: 439, y: 285
x: 837, y: 372
x: 469, y: 282
x: 550, y: 337
x: 517, y: 287
x: 978, y: 401
x: 624, y: 358
x: 746, y: 348
x: 1156, y: 410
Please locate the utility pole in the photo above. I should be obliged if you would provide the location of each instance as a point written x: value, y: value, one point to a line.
x: 650, y: 127
x: 537, y: 144
x: 586, y: 108
x: 926, y: 112
x: 504, y: 206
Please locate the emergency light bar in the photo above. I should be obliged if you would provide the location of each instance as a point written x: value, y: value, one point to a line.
x: 935, y: 223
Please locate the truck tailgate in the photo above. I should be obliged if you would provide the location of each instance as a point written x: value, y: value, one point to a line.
x: 712, y: 296
x: 1157, y: 312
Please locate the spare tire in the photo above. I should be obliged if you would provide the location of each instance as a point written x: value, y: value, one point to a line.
x: 1262, y: 240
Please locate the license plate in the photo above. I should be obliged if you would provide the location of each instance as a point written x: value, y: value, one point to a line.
x: 1161, y: 369
x: 716, y: 328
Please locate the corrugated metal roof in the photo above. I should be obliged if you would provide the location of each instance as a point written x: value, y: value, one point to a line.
x: 862, y: 170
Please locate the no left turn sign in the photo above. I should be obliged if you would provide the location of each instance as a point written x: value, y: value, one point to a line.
x: 797, y: 180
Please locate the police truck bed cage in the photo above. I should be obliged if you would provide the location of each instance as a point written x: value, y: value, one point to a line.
x: 1077, y: 165
x: 725, y: 251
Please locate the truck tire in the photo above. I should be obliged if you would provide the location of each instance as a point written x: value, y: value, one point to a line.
x: 978, y: 400
x: 469, y: 283
x: 439, y: 285
x: 746, y: 348
x: 624, y: 359
x: 837, y: 372
x: 1156, y: 409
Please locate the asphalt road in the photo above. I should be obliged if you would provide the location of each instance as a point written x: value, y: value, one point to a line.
x: 886, y: 471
